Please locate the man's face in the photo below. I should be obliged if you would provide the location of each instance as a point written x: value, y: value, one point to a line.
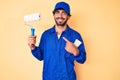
x: 61, y: 17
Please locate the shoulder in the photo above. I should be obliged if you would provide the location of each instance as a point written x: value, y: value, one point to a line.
x: 48, y: 31
x: 46, y: 34
x: 74, y: 32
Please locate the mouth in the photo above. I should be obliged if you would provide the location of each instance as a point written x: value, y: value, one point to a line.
x: 60, y: 19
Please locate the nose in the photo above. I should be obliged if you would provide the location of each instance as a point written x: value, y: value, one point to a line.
x: 60, y: 15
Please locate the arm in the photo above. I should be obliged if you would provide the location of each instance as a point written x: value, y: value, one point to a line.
x: 78, y: 51
x: 37, y: 51
x: 81, y: 57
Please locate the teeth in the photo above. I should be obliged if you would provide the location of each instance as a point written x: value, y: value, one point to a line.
x: 60, y: 19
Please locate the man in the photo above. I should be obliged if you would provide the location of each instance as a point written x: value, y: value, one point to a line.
x: 57, y: 48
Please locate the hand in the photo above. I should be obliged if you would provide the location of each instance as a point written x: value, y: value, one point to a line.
x: 71, y: 48
x: 32, y: 42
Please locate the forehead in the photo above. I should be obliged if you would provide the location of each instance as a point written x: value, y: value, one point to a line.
x: 60, y: 10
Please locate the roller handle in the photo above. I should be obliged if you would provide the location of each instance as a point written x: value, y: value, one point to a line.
x: 32, y: 31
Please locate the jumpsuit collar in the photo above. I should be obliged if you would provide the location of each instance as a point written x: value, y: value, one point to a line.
x: 53, y: 29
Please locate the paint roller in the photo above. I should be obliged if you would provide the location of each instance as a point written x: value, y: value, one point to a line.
x: 31, y: 18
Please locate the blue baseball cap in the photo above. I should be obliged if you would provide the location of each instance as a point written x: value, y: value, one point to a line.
x: 62, y: 5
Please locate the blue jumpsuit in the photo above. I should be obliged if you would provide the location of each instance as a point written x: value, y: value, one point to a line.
x: 58, y: 63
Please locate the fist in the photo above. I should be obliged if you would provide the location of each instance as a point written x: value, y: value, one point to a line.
x: 31, y: 42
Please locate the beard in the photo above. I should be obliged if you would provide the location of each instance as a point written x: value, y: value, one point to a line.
x: 61, y: 23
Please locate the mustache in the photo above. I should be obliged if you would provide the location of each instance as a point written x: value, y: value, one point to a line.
x: 60, y: 18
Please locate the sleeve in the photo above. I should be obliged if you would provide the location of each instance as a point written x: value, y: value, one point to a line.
x: 39, y: 50
x: 81, y: 57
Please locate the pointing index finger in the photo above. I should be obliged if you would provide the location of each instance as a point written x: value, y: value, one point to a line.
x: 66, y: 39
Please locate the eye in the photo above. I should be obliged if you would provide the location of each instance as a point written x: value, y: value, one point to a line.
x: 64, y: 13
x: 56, y: 12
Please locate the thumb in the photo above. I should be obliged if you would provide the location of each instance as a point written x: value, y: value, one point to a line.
x: 66, y: 39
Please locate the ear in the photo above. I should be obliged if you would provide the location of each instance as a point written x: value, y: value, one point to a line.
x: 69, y: 17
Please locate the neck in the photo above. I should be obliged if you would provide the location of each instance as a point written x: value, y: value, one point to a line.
x: 60, y: 29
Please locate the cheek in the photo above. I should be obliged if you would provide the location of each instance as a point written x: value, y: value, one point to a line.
x: 68, y: 18
x: 55, y: 17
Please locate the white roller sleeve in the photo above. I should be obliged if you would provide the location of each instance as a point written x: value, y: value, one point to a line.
x: 32, y: 17
x: 77, y: 43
